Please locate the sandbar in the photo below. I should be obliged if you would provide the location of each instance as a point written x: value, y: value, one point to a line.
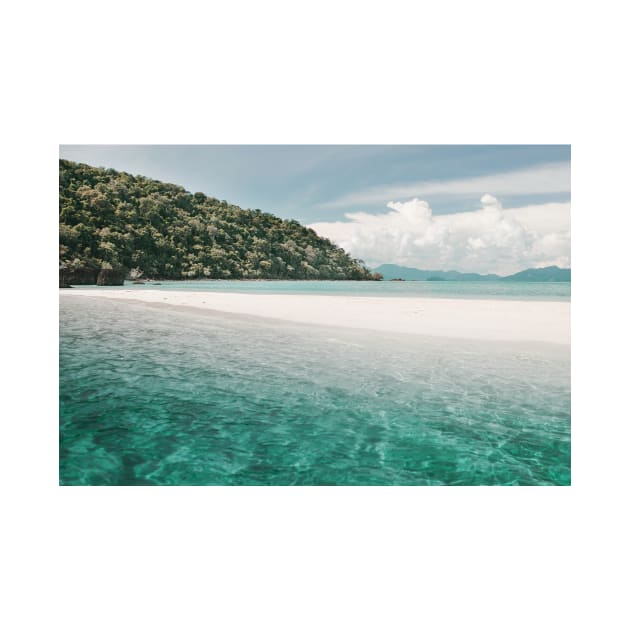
x: 498, y: 320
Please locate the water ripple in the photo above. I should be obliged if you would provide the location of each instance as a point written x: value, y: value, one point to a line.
x: 151, y: 396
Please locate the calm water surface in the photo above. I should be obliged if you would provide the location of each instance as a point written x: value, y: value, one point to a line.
x: 150, y: 395
x: 557, y: 291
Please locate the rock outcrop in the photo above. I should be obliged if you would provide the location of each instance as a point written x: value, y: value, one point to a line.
x: 63, y: 282
x: 102, y: 277
x: 83, y: 275
x: 110, y: 277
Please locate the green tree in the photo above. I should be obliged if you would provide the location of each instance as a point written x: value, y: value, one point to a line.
x: 160, y: 230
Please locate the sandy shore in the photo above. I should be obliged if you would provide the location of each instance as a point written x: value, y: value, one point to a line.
x: 439, y: 317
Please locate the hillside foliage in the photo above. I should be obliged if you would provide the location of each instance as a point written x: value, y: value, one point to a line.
x: 110, y: 219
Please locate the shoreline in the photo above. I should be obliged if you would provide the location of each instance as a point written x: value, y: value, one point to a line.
x: 458, y: 318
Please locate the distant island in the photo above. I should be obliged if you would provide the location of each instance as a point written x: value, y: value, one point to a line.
x: 114, y: 225
x: 544, y: 274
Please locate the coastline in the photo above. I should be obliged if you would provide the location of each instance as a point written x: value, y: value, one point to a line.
x: 458, y: 318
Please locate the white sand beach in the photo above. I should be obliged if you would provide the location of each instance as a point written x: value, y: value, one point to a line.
x: 505, y: 320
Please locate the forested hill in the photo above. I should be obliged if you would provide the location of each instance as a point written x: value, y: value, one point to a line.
x: 109, y: 219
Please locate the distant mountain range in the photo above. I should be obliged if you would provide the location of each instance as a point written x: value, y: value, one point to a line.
x: 544, y: 274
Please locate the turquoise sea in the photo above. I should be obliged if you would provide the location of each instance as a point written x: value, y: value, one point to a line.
x: 556, y: 291
x: 155, y: 396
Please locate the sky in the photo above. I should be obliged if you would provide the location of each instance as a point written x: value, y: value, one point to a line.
x: 482, y: 208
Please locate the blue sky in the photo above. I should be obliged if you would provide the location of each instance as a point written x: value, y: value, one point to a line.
x: 484, y: 208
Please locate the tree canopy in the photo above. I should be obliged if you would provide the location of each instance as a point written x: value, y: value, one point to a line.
x: 110, y: 219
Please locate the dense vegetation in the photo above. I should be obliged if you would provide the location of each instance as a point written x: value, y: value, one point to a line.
x: 115, y: 220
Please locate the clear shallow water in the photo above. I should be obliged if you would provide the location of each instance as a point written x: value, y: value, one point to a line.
x: 556, y: 291
x: 150, y: 395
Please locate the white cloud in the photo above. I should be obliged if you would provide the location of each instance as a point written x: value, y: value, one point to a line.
x: 489, y: 240
x: 554, y: 177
